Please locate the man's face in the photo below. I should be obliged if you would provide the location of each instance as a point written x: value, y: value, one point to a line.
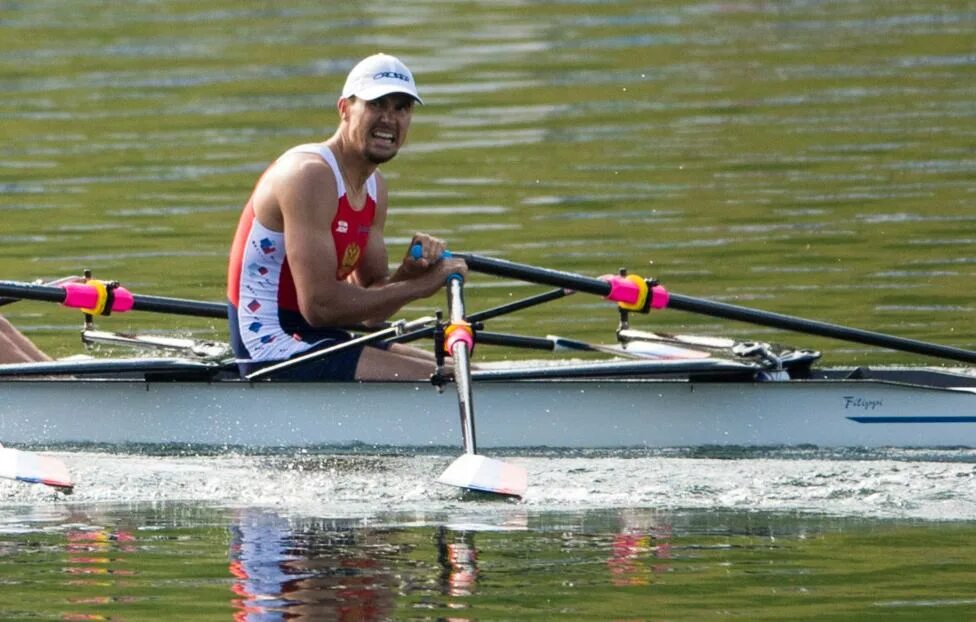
x: 379, y: 126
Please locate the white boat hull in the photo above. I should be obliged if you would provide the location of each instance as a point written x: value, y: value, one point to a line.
x: 509, y: 414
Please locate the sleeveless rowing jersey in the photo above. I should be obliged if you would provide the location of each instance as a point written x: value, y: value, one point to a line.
x: 265, y: 322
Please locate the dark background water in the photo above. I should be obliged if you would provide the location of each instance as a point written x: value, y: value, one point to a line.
x: 813, y: 158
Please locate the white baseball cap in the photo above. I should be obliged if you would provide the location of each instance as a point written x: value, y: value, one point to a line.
x: 379, y: 75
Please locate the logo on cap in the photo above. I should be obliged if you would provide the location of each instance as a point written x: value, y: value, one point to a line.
x: 391, y: 74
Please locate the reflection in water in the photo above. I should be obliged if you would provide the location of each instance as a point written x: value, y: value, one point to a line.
x: 315, y: 571
x: 639, y: 537
x: 96, y: 559
x: 257, y: 551
x: 335, y: 570
x: 458, y: 558
x: 619, y: 564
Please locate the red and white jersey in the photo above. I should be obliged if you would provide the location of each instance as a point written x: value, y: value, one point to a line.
x: 260, y: 288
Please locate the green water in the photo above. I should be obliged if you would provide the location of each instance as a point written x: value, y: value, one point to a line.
x: 203, y: 564
x: 814, y: 158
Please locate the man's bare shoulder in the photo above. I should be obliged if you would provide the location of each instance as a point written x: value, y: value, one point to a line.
x: 381, y: 191
x: 303, y: 168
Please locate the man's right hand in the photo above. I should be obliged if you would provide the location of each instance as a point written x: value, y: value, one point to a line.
x: 435, y: 275
x: 431, y: 250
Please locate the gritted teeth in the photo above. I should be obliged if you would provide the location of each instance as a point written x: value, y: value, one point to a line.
x: 384, y: 135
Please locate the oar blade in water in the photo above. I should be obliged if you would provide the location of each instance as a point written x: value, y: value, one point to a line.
x: 33, y: 468
x: 484, y: 474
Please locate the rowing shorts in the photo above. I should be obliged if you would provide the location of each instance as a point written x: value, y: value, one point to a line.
x: 339, y: 366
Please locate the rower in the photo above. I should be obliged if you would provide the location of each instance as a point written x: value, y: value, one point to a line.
x: 309, y: 256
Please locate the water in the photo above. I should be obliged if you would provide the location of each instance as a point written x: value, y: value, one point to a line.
x: 341, y: 482
x: 698, y: 534
x: 812, y: 158
x: 202, y: 563
x: 209, y: 564
x: 809, y: 157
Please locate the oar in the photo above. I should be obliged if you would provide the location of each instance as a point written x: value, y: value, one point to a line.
x: 26, y: 466
x: 65, y: 279
x: 550, y: 343
x: 472, y: 471
x: 396, y: 328
x: 104, y: 298
x: 487, y: 314
x: 814, y: 327
x: 618, y: 290
x: 533, y: 274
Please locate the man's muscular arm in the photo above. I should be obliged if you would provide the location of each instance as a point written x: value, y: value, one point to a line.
x: 374, y: 268
x: 304, y: 191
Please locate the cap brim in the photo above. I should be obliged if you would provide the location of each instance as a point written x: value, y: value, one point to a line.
x: 379, y: 90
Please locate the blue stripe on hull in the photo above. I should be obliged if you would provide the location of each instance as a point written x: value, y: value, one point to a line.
x: 935, y: 419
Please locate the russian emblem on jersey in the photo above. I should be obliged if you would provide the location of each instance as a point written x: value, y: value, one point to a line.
x: 349, y: 260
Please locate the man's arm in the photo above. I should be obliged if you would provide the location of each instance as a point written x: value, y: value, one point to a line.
x: 306, y: 194
x: 374, y: 269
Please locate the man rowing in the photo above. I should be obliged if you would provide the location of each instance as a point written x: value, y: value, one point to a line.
x: 309, y: 255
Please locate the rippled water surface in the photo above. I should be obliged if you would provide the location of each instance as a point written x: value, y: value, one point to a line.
x: 812, y: 158
x: 805, y: 157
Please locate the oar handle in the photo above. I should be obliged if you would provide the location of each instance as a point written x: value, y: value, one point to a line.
x: 417, y: 251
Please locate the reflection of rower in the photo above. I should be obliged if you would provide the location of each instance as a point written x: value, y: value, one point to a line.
x: 259, y: 545
x: 95, y: 559
x: 637, y: 539
x: 308, y: 571
x: 458, y: 558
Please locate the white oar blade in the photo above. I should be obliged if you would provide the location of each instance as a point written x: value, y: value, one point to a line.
x: 475, y: 472
x: 32, y: 468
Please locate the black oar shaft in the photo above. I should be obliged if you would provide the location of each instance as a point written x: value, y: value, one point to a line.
x: 501, y: 267
x: 488, y: 314
x: 519, y: 305
x: 814, y: 327
x: 544, y: 276
x: 516, y: 341
x: 177, y: 306
x: 31, y: 291
x: 180, y: 306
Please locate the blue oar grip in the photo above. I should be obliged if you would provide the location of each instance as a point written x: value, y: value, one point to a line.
x: 417, y: 251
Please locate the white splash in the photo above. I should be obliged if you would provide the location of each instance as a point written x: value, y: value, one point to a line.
x: 364, y: 486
